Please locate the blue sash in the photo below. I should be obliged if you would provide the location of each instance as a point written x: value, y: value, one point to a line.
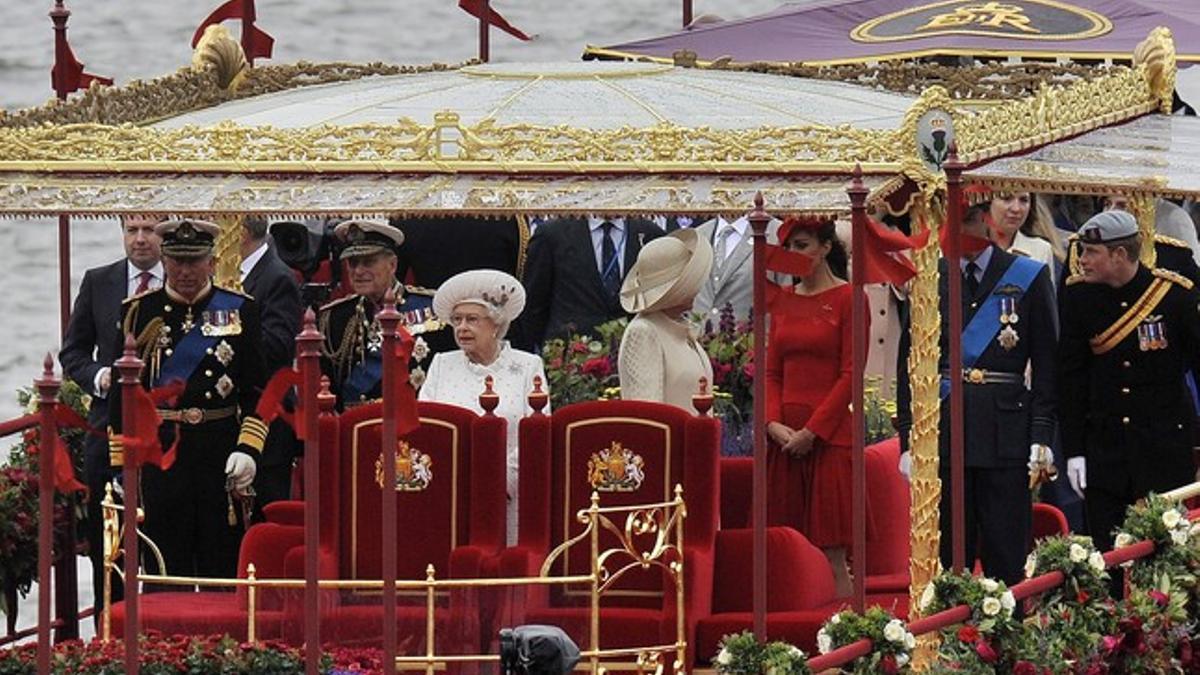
x: 191, y: 350
x: 364, y: 377
x: 984, y: 326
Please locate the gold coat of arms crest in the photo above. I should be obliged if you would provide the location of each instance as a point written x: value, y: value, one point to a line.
x: 414, y: 469
x: 616, y: 469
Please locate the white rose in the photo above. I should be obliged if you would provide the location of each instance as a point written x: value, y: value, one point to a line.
x: 1171, y: 518
x: 910, y: 641
x: 1180, y: 537
x: 927, y: 597
x: 894, y: 631
x: 835, y: 619
x: 1030, y: 565
x: 1078, y: 553
x: 1007, y: 601
x: 991, y: 606
x: 989, y: 585
x: 1123, y: 540
x: 1096, y: 561
x: 824, y: 642
x: 796, y: 652
x: 724, y: 658
x: 901, y: 659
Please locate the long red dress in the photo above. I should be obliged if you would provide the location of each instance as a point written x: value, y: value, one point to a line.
x: 808, y: 372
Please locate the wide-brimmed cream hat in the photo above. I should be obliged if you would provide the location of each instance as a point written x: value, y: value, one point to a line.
x: 668, y: 273
x: 496, y: 290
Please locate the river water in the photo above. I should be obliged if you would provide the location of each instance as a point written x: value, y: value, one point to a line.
x: 126, y: 39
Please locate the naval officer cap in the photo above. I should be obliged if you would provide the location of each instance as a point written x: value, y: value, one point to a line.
x: 187, y: 237
x: 1108, y: 226
x: 363, y: 237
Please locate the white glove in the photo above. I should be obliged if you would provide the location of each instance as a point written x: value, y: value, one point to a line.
x: 241, y: 468
x: 1077, y: 474
x: 1035, y: 456
x: 906, y: 465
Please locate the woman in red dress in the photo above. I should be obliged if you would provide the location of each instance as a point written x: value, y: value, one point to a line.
x: 808, y: 374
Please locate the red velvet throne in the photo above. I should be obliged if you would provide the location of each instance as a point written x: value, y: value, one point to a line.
x: 628, y: 452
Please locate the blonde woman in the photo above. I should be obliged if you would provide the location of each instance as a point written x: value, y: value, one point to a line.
x: 1021, y: 223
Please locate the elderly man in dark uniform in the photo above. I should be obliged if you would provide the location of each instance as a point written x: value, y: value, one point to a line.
x: 206, y: 339
x: 1129, y: 334
x: 351, y: 355
x: 1009, y: 327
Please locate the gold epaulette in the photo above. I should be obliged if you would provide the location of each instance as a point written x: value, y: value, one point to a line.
x: 139, y: 296
x: 244, y: 294
x: 419, y: 290
x: 333, y: 303
x: 1173, y: 277
x: 1170, y: 241
x: 1074, y: 279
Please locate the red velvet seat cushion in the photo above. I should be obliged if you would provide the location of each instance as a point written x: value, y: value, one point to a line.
x: 210, y: 613
x: 737, y: 492
x: 798, y: 573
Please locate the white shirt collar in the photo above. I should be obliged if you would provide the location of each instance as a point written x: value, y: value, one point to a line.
x: 738, y: 225
x: 594, y: 223
x: 133, y: 271
x: 251, y: 260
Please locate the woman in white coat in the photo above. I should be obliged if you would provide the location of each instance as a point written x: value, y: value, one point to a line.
x: 480, y: 305
x: 660, y: 358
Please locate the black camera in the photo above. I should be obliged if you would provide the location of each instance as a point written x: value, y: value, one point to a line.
x: 307, y: 246
x: 537, y: 650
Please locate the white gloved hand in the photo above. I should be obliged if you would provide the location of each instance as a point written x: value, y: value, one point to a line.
x: 1035, y: 456
x: 1077, y: 474
x: 241, y: 468
x: 906, y: 465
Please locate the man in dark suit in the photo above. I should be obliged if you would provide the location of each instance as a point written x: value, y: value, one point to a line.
x: 1009, y: 325
x: 574, y: 272
x: 274, y: 289
x: 87, y: 355
x: 1129, y: 335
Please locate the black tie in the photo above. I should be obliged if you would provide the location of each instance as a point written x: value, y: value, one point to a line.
x: 610, y: 272
x: 970, y: 280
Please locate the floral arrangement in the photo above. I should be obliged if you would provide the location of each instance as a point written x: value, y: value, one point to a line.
x: 1176, y: 558
x: 730, y: 348
x: 1151, y: 635
x: 879, y: 412
x: 191, y: 655
x: 19, y: 494
x: 988, y: 640
x: 743, y: 654
x: 892, y: 641
x: 583, y: 367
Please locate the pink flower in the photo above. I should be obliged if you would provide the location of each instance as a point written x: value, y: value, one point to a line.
x: 985, y: 652
x: 968, y: 633
x: 598, y: 367
x: 888, y: 665
x: 748, y: 370
x: 1159, y: 598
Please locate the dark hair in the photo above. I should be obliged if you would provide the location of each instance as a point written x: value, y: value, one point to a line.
x: 256, y: 226
x: 826, y: 233
x: 977, y: 212
x: 1131, y: 245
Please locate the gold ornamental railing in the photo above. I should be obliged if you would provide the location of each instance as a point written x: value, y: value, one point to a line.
x: 648, y: 536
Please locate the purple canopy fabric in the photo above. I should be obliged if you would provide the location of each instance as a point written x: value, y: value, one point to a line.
x: 847, y: 31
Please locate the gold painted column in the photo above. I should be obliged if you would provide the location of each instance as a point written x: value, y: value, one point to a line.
x: 1144, y: 207
x: 925, y: 327
x: 228, y: 253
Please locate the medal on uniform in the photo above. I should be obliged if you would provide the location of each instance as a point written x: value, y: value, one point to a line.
x: 1008, y: 337
x: 1152, y: 334
x: 221, y: 322
x: 1143, y: 333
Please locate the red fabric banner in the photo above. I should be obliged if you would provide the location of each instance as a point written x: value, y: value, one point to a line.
x: 881, y: 262
x: 261, y: 44
x: 270, y: 404
x: 407, y: 418
x: 476, y: 9
x: 142, y: 445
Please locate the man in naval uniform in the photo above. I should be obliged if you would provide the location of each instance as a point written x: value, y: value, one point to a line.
x: 206, y: 338
x: 352, y: 352
x: 1009, y: 326
x: 1129, y: 334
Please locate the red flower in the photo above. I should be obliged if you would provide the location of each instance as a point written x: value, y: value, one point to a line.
x: 888, y: 665
x: 1025, y: 668
x: 968, y: 633
x: 985, y: 652
x: 1109, y: 643
x: 1082, y: 596
x: 748, y: 371
x: 579, y: 347
x: 1159, y: 598
x: 598, y: 367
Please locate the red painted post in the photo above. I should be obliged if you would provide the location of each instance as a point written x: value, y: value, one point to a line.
x: 954, y: 194
x: 308, y: 360
x: 687, y: 13
x: 389, y: 320
x: 758, y: 222
x: 47, y: 387
x: 130, y: 368
x: 62, y: 56
x: 858, y: 331
x: 484, y: 32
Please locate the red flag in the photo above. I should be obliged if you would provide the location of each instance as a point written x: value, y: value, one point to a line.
x: 881, y: 264
x: 971, y: 244
x: 73, y: 77
x: 476, y: 8
x: 407, y: 418
x: 270, y: 404
x: 65, y: 481
x: 142, y: 445
x: 261, y: 44
x: 780, y: 259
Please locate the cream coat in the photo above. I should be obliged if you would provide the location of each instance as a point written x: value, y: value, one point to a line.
x: 660, y: 361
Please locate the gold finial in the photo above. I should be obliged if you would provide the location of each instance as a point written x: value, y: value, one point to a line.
x: 1157, y: 53
x: 218, y: 50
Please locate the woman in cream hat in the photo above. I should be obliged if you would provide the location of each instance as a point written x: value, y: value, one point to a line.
x: 659, y: 358
x: 480, y: 305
